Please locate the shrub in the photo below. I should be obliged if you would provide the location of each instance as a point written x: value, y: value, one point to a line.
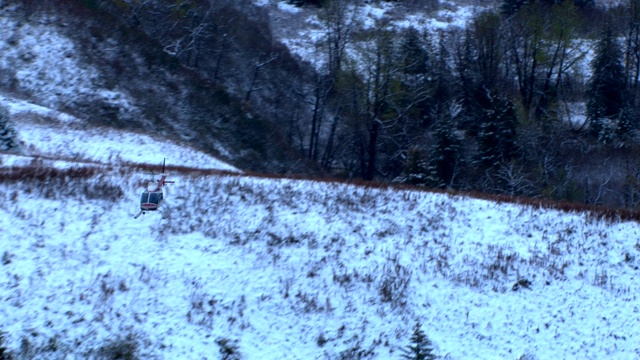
x: 394, y: 283
x: 121, y: 348
x: 6, y: 260
x: 4, y: 353
x: 356, y: 353
x: 521, y: 284
x: 321, y: 340
x: 48, y: 349
x: 228, y: 349
x: 300, y: 3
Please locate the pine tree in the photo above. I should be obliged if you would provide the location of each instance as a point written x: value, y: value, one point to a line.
x: 317, y: 3
x: 415, y: 170
x: 606, y: 89
x: 477, y: 66
x: 583, y: 3
x: 413, y: 56
x: 497, y: 133
x: 510, y: 7
x: 8, y: 135
x: 442, y: 78
x: 413, y: 53
x: 421, y: 347
x: 445, y: 154
x: 624, y: 126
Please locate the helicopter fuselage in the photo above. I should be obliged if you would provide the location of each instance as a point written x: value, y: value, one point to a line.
x: 150, y: 200
x: 152, y: 196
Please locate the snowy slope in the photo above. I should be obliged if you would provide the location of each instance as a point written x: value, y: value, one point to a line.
x: 304, y: 31
x: 48, y: 73
x: 297, y: 269
x: 279, y: 269
x: 288, y: 269
x: 48, y: 134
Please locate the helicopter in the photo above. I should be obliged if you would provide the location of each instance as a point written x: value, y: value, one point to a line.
x: 153, y: 195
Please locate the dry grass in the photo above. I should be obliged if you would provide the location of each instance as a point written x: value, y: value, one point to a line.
x: 595, y: 212
x: 37, y: 171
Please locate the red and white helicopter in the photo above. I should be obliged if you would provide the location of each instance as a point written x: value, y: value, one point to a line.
x: 152, y: 196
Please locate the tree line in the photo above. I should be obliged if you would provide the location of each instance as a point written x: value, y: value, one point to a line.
x: 533, y: 98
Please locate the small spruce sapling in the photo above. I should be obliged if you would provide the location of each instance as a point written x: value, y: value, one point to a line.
x: 8, y: 135
x: 420, y: 348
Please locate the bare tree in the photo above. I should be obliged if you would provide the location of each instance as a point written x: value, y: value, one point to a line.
x: 339, y: 17
x: 254, y: 83
x: 542, y: 50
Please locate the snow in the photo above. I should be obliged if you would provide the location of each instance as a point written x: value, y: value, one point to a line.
x: 306, y: 41
x: 53, y: 135
x: 282, y: 268
x: 369, y: 15
x: 47, y: 68
x: 286, y: 7
x: 261, y: 2
x: 275, y: 264
x: 35, y: 51
x: 110, y: 146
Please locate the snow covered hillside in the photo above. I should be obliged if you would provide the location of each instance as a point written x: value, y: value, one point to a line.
x: 294, y: 269
x: 49, y: 135
x: 304, y: 31
x: 239, y: 266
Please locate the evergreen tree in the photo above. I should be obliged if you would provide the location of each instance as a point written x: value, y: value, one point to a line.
x: 497, y: 133
x: 317, y: 3
x: 510, y: 7
x: 477, y: 65
x: 442, y: 77
x: 413, y: 53
x: 624, y: 126
x: 414, y: 58
x: 583, y: 3
x: 606, y: 89
x: 421, y: 347
x: 445, y: 154
x: 8, y: 135
x: 415, y: 169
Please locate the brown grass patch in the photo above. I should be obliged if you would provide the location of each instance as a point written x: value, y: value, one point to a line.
x: 40, y: 173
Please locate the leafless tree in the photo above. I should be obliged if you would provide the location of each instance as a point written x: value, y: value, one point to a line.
x: 254, y: 83
x: 339, y: 17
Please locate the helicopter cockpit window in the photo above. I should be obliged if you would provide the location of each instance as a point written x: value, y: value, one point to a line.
x: 154, y: 197
x: 144, y: 198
